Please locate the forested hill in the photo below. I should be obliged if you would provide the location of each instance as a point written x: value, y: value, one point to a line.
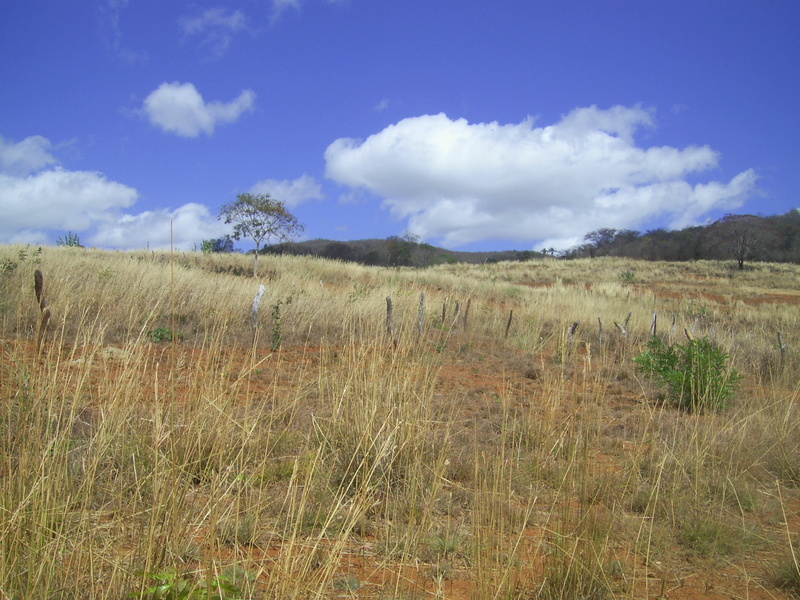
x: 741, y: 238
x: 394, y: 251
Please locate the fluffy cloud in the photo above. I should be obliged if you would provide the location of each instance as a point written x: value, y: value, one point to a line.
x: 39, y: 201
x: 33, y: 201
x: 191, y: 223
x: 216, y: 28
x: 179, y: 108
x: 31, y: 154
x: 458, y: 182
x: 290, y: 192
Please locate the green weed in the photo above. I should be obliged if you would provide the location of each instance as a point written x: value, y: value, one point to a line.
x: 170, y: 585
x: 161, y: 334
x: 696, y: 375
x: 627, y: 276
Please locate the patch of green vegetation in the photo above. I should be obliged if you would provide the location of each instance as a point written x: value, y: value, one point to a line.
x: 627, y: 276
x: 697, y: 376
x: 168, y: 584
x: 162, y: 334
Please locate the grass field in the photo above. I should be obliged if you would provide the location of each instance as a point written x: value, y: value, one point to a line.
x: 473, y: 443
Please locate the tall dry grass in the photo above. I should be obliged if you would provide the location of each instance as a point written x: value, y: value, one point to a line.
x: 455, y: 461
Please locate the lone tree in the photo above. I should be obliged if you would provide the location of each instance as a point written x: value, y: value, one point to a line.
x: 259, y: 217
x: 742, y: 234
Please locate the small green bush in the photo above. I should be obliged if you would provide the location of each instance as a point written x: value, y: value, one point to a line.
x: 170, y: 585
x: 696, y: 375
x: 69, y: 239
x: 162, y: 334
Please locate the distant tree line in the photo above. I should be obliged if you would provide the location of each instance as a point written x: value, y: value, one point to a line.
x: 395, y: 251
x: 742, y: 238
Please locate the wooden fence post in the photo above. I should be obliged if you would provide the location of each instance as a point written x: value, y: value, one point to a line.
x: 508, y: 323
x: 390, y: 320
x: 782, y: 346
x: 572, y: 331
x: 256, y: 303
x: 454, y: 325
x: 421, y: 314
x: 44, y: 320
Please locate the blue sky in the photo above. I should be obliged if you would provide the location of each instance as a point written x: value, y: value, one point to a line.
x: 473, y: 124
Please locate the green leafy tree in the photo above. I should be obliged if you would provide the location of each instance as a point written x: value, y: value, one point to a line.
x: 399, y: 249
x: 259, y: 217
x: 221, y: 244
x: 599, y: 239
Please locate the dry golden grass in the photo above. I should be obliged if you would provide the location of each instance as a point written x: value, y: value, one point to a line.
x: 156, y: 432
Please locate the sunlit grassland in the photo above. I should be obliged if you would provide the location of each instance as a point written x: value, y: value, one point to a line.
x: 489, y: 449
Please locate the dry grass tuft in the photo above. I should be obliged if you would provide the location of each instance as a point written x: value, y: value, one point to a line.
x: 154, y: 433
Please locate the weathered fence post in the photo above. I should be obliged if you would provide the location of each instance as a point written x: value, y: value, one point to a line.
x: 44, y: 320
x: 454, y: 325
x: 390, y: 320
x: 782, y: 346
x: 572, y: 331
x: 256, y: 303
x: 623, y: 327
x: 508, y: 323
x: 421, y: 314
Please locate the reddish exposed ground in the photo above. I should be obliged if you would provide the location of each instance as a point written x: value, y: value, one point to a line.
x: 488, y: 381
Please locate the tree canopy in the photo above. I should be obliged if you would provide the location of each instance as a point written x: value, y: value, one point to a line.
x: 259, y: 217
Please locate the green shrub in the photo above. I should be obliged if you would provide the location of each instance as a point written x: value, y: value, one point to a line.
x: 170, y: 585
x: 696, y: 375
x: 162, y: 334
x: 69, y: 239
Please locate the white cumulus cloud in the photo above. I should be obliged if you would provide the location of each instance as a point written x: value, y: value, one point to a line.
x: 40, y: 201
x: 179, y: 108
x: 290, y: 192
x: 22, y: 158
x: 187, y: 226
x: 35, y: 199
x: 458, y: 182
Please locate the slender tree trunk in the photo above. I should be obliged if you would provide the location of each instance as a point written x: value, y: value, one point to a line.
x: 255, y: 262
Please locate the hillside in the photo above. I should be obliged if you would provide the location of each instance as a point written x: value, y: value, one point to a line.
x: 740, y: 238
x: 460, y: 431
x: 394, y: 252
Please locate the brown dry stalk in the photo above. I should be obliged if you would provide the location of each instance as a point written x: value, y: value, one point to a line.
x: 44, y: 320
x: 390, y: 320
